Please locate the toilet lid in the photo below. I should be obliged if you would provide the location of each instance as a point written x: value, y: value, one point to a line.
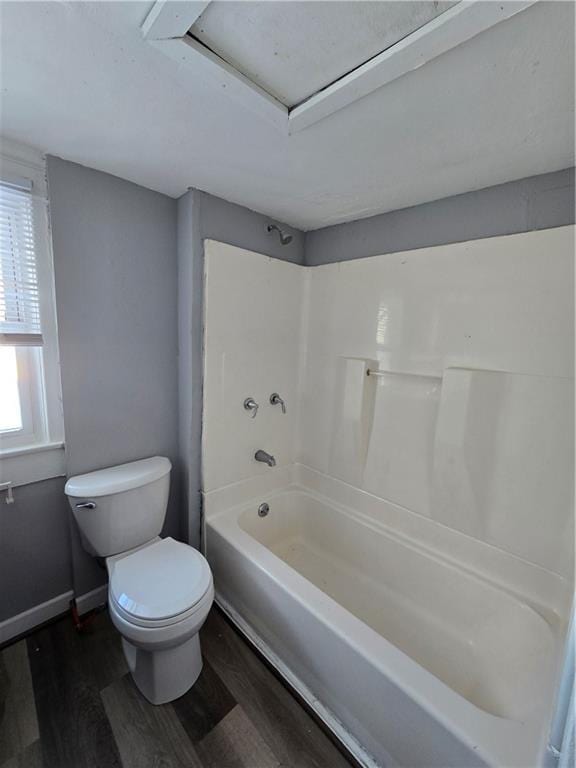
x: 159, y: 581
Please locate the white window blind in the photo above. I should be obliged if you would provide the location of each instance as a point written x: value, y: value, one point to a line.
x: 19, y: 293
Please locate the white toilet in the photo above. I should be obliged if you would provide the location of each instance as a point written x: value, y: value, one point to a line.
x: 160, y: 590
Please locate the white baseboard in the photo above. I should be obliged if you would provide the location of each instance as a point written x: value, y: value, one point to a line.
x: 92, y: 599
x: 26, y: 621
x: 31, y: 618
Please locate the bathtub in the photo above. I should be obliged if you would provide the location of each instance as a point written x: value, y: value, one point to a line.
x: 410, y: 657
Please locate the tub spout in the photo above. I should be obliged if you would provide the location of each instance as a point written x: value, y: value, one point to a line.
x: 261, y: 455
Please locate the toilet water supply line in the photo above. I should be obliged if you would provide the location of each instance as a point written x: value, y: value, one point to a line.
x: 81, y: 622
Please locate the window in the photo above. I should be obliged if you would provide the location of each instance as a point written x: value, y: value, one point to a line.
x: 31, y: 426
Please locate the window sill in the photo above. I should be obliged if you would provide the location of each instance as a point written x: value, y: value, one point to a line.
x: 20, y: 466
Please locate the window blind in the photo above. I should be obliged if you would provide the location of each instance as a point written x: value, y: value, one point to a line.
x: 19, y: 294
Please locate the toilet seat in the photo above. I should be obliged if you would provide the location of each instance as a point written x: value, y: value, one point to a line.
x: 158, y: 632
x: 160, y: 584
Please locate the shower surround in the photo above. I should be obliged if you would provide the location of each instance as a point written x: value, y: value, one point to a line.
x: 413, y: 576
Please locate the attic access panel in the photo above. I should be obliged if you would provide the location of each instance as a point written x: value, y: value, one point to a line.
x: 295, y: 63
x: 294, y: 49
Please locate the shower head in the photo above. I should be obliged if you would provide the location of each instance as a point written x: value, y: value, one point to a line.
x: 284, y: 238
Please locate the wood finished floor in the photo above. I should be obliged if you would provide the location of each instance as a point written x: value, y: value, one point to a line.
x: 67, y: 701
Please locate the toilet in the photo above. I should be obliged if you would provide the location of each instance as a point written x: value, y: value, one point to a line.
x: 160, y: 590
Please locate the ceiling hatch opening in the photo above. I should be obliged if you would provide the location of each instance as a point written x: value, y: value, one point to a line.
x: 297, y: 63
x: 293, y: 50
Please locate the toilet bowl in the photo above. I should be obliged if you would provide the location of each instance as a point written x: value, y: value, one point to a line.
x: 159, y: 596
x: 160, y: 591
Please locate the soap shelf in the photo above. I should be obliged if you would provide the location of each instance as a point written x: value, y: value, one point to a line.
x: 376, y: 372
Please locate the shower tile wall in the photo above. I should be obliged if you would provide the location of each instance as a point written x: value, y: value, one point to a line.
x: 490, y: 455
x: 252, y: 348
x: 473, y: 426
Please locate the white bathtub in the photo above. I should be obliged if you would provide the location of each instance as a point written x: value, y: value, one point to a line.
x: 412, y: 659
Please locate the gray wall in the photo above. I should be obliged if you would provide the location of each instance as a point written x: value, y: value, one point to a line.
x: 190, y: 265
x: 538, y: 202
x: 35, y: 562
x: 203, y: 216
x: 115, y: 265
x: 118, y: 273
x: 234, y: 224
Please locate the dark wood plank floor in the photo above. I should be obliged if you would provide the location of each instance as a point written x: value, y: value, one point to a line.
x: 67, y: 701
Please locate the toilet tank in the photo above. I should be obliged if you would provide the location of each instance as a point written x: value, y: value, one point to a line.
x: 120, y: 507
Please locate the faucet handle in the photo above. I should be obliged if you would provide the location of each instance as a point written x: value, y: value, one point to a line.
x: 275, y: 399
x: 251, y: 405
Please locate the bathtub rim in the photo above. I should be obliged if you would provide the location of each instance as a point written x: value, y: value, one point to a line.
x: 553, y: 620
x: 549, y: 593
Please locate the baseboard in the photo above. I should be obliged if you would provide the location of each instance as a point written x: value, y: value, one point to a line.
x: 39, y: 614
x: 24, y: 622
x: 348, y: 742
x: 92, y: 599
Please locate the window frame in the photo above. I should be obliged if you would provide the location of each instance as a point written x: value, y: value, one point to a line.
x: 36, y: 452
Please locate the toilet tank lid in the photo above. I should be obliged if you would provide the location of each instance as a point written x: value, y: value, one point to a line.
x: 123, y: 477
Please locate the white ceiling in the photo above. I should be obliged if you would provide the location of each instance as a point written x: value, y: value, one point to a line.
x: 304, y: 46
x: 78, y: 80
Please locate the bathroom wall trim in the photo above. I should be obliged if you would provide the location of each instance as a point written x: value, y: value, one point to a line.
x: 34, y: 463
x: 33, y: 617
x: 28, y: 620
x: 92, y: 599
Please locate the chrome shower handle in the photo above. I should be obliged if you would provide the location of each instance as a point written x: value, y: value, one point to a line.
x: 275, y: 399
x: 251, y: 405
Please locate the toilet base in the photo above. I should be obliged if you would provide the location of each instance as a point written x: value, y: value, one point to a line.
x: 164, y: 675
